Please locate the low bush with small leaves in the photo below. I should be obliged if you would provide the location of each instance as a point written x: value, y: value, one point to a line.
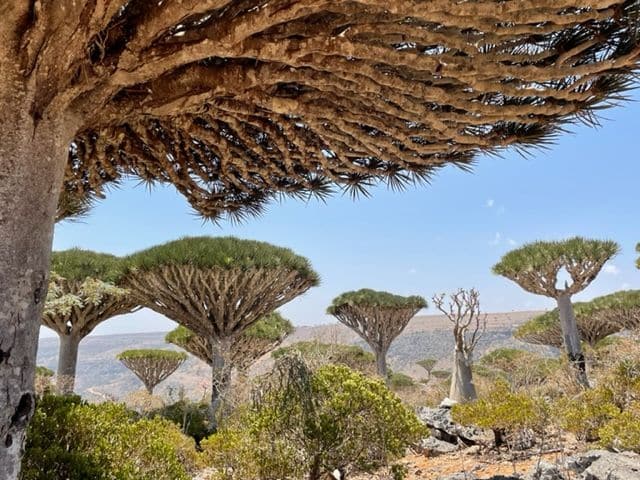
x: 585, y: 414
x: 74, y: 440
x: 504, y: 411
x: 191, y: 417
x: 623, y: 431
x: 333, y: 417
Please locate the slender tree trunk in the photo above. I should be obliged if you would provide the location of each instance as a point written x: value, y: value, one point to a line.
x: 315, y: 471
x: 32, y: 163
x: 381, y: 363
x: 67, y: 361
x: 462, y: 387
x: 219, y: 378
x: 571, y: 339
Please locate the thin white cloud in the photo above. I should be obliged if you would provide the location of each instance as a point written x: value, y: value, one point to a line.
x: 412, y: 271
x: 611, y: 269
x: 512, y: 242
x: 496, y: 239
x: 625, y: 286
x: 490, y: 203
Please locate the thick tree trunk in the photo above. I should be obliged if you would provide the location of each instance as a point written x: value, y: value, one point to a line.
x: 67, y: 361
x: 32, y: 160
x: 220, y: 377
x: 381, y: 363
x: 462, y: 387
x: 571, y: 339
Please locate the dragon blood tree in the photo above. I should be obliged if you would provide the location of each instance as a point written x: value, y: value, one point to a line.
x: 236, y: 102
x: 246, y: 348
x: 535, y: 268
x: 469, y: 324
x: 217, y: 288
x: 378, y: 317
x: 84, y: 291
x: 596, y: 319
x: 152, y: 366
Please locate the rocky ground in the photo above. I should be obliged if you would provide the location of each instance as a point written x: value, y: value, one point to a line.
x: 454, y: 452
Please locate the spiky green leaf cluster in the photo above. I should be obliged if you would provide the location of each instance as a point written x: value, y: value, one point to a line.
x: 542, y: 255
x: 373, y: 298
x: 77, y: 264
x: 91, y: 292
x: 638, y: 260
x: 586, y: 313
x: 151, y: 353
x: 271, y: 327
x: 224, y: 252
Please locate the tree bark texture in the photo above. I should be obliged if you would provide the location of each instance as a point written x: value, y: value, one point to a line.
x: 67, y: 361
x: 32, y: 160
x: 571, y: 339
x: 462, y: 386
x: 220, y: 378
x: 381, y: 363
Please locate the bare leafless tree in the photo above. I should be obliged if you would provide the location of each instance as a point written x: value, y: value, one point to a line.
x: 469, y: 324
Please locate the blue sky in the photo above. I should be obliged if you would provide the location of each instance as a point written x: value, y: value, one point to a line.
x: 425, y: 240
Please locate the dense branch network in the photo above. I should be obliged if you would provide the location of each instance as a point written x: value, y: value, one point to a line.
x: 596, y: 320
x: 246, y: 348
x: 152, y: 366
x: 235, y: 102
x: 378, y: 317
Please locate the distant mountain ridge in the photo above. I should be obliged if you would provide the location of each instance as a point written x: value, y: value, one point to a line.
x: 100, y: 375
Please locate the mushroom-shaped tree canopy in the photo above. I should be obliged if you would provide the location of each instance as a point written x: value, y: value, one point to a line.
x: 246, y: 348
x: 235, y: 102
x: 217, y: 288
x: 595, y: 319
x: 84, y: 291
x: 378, y: 317
x: 535, y: 267
x: 152, y: 366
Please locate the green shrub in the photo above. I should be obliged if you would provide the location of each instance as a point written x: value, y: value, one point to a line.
x: 318, y: 353
x: 190, y: 417
x: 398, y: 380
x: 71, y: 439
x: 333, y: 417
x: 519, y: 367
x: 623, y: 431
x: 586, y: 413
x: 503, y: 411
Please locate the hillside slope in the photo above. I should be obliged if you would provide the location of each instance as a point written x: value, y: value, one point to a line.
x: 100, y: 374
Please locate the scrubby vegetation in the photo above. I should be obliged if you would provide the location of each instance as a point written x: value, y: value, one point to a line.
x: 313, y: 422
x: 71, y: 439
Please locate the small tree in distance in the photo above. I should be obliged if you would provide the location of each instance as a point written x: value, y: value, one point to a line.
x: 83, y: 293
x: 469, y: 324
x: 152, y: 366
x: 378, y: 317
x: 535, y: 267
x: 428, y: 365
